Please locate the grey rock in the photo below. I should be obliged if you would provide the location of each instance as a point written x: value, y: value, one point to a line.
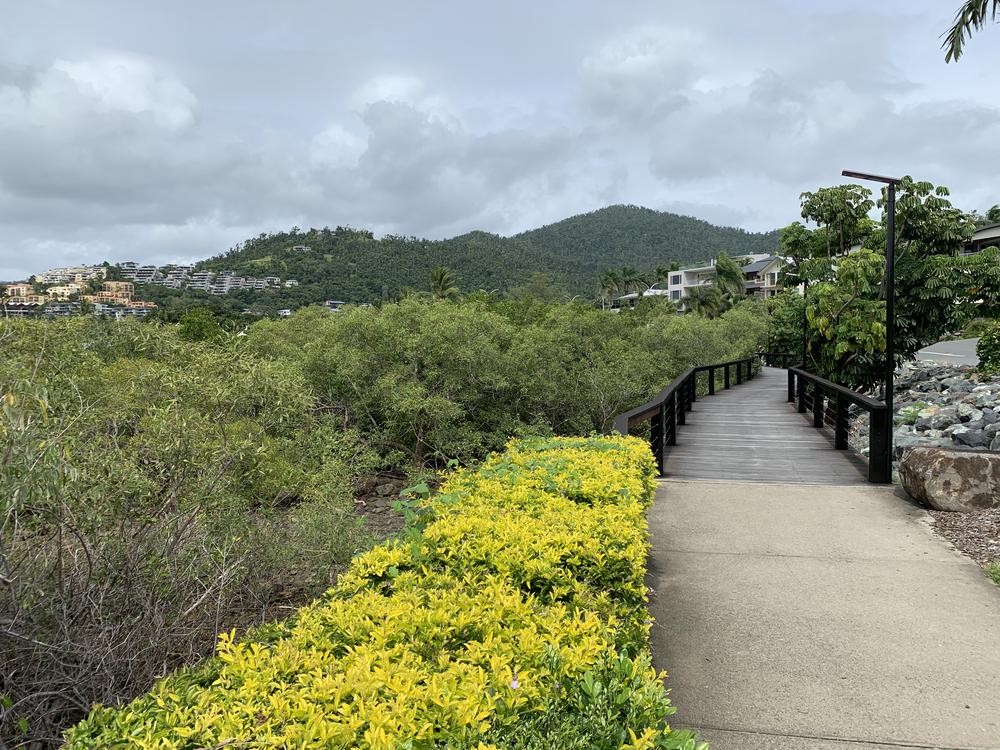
x: 972, y: 438
x: 386, y: 489
x: 966, y: 412
x: 951, y: 480
x: 995, y: 445
x: 990, y: 416
x: 944, y: 418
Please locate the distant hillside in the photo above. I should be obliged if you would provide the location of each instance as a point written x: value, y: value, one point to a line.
x: 352, y: 265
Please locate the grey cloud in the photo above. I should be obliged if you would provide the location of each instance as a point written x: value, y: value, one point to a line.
x: 227, y: 123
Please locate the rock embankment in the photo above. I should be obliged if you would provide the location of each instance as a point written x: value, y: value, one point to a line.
x: 940, y: 406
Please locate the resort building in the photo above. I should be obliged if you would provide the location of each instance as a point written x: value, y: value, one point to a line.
x: 760, y: 274
x: 983, y: 238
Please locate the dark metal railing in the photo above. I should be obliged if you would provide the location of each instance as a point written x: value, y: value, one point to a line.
x: 830, y: 404
x: 668, y: 410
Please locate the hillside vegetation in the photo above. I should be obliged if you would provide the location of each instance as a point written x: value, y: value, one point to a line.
x: 568, y: 256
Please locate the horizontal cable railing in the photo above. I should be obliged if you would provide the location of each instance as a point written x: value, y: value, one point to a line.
x: 668, y: 410
x: 829, y: 404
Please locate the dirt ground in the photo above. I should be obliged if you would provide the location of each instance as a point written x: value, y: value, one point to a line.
x: 977, y: 534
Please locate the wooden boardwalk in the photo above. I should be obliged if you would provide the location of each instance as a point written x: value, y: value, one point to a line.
x: 750, y: 433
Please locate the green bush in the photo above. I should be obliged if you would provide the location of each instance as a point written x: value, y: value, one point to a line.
x: 508, y: 619
x: 152, y: 491
x: 977, y: 327
x: 988, y: 350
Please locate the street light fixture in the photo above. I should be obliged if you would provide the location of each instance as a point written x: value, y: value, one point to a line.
x: 890, y: 282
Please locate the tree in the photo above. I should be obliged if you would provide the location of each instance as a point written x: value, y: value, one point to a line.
x: 729, y: 278
x: 992, y: 216
x: 610, y: 282
x: 842, y: 209
x: 443, y: 284
x: 937, y: 288
x: 705, y: 301
x: 631, y: 279
x: 971, y: 16
x: 199, y: 324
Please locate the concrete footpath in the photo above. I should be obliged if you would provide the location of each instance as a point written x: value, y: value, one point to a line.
x: 820, y: 618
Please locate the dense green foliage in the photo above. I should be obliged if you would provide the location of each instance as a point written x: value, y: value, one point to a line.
x: 512, y: 617
x: 841, y: 212
x: 937, y: 289
x: 988, y: 350
x: 570, y: 256
x: 429, y: 381
x: 152, y: 489
x: 159, y: 483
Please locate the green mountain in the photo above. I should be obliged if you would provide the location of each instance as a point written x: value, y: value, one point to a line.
x: 351, y: 265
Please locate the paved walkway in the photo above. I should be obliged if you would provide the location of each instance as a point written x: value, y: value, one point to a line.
x: 813, y: 617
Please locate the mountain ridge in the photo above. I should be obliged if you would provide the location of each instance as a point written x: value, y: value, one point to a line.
x: 567, y: 255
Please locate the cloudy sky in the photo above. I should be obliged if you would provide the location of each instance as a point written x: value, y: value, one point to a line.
x: 162, y: 131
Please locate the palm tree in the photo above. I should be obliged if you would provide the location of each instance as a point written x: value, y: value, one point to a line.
x: 706, y: 301
x: 971, y: 16
x: 631, y: 280
x: 729, y: 280
x: 443, y: 283
x: 610, y: 283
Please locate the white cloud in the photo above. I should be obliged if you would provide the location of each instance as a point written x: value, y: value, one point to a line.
x: 131, y: 84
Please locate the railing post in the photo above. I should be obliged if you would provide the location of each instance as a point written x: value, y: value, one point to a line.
x: 879, y: 459
x: 817, y: 406
x: 739, y: 372
x: 671, y: 436
x: 694, y: 386
x: 679, y: 407
x: 689, y: 388
x: 725, y: 371
x: 711, y: 381
x: 802, y: 394
x: 791, y: 387
x: 656, y: 438
x: 840, y: 423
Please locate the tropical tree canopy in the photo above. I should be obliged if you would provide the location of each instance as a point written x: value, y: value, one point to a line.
x: 937, y: 288
x: 842, y: 210
x: 971, y: 16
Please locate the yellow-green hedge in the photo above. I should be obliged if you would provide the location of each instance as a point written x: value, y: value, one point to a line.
x: 512, y: 615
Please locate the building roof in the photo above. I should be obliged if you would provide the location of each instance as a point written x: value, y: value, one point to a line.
x: 760, y: 265
x: 987, y: 232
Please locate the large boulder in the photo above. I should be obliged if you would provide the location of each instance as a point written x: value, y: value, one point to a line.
x: 951, y: 479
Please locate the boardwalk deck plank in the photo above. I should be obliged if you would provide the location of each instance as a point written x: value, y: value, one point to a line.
x: 750, y: 433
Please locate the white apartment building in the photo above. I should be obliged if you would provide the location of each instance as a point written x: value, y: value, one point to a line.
x: 78, y: 274
x: 760, y: 277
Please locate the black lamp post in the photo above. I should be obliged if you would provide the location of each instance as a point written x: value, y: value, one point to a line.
x: 890, y: 282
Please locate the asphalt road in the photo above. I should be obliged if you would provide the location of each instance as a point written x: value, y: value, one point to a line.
x: 958, y: 352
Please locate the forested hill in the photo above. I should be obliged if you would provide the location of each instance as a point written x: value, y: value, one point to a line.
x: 352, y: 265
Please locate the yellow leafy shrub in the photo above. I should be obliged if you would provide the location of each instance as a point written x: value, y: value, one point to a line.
x: 512, y: 617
